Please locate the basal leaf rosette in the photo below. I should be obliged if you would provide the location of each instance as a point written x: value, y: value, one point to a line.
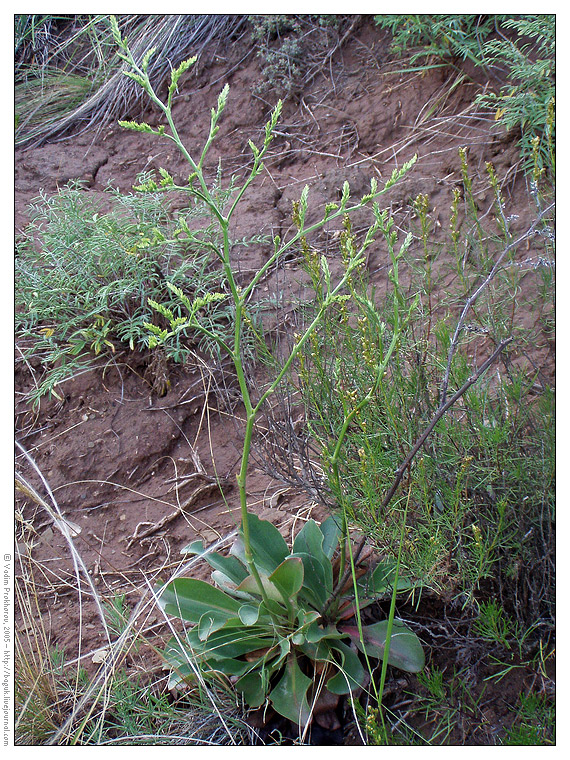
x: 267, y: 636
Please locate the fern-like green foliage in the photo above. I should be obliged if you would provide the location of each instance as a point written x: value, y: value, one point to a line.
x: 439, y: 35
x: 87, y: 280
x: 519, y: 49
x: 527, y: 100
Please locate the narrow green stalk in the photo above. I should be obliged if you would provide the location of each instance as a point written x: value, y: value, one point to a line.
x: 391, y: 616
x: 242, y: 481
x: 333, y: 461
x: 301, y: 233
x: 358, y: 617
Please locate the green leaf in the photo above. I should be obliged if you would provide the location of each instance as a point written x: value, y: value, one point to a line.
x: 331, y: 534
x: 227, y: 584
x: 178, y: 678
x: 175, y: 75
x: 315, y: 633
x: 180, y: 674
x: 250, y: 586
x: 196, y: 547
x: 272, y: 123
x: 230, y: 568
x: 289, y: 697
x: 374, y: 585
x: 371, y: 587
x: 180, y: 294
x: 115, y: 30
x: 228, y: 666
x: 318, y: 580
x: 253, y: 686
x: 232, y: 641
x: 209, y: 622
x: 135, y: 126
x: 405, y: 652
x: 267, y: 545
x: 285, y: 648
x: 330, y: 208
x: 381, y: 578
x: 249, y: 613
x: 351, y: 673
x: 310, y: 539
x: 186, y: 663
x: 177, y: 653
x: 146, y: 58
x: 373, y: 191
x: 306, y: 619
x: 222, y: 98
x: 167, y: 179
x: 136, y: 77
x: 330, y: 649
x: 288, y: 577
x: 379, y: 582
x: 189, y: 599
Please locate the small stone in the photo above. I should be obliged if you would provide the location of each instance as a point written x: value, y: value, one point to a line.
x: 271, y: 514
x: 47, y: 535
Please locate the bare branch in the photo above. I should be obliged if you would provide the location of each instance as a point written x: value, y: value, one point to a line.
x: 473, y: 297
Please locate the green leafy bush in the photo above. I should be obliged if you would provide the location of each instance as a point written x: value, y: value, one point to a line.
x: 527, y: 101
x: 86, y: 279
x: 480, y: 487
x: 439, y: 35
x: 291, y: 48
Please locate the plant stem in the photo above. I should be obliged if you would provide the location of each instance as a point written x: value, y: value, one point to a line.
x: 391, y: 620
x: 241, y: 296
x: 472, y: 298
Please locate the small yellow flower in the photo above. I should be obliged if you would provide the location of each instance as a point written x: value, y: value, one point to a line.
x: 477, y: 534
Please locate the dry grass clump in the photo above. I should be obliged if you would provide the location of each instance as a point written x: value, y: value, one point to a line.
x: 68, y: 75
